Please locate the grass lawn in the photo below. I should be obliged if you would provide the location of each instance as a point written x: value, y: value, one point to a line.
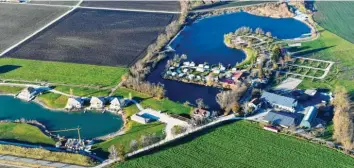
x: 333, y: 48
x: 164, y: 105
x: 53, y: 100
x: 85, y: 92
x: 58, y: 72
x: 24, y: 133
x: 10, y: 89
x: 251, y: 56
x: 43, y: 154
x: 135, y: 131
x: 241, y: 144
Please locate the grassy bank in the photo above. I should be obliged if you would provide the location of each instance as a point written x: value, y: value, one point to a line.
x: 43, y: 154
x: 241, y: 144
x: 58, y: 72
x: 52, y: 100
x: 164, y: 105
x: 10, y: 89
x: 134, y: 132
x: 251, y: 55
x: 24, y: 133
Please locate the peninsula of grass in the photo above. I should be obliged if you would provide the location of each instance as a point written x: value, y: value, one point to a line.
x: 135, y: 131
x: 58, y: 72
x: 52, y: 100
x: 25, y: 133
x: 43, y: 154
x: 240, y: 144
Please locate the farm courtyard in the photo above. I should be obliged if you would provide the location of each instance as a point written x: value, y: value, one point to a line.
x: 96, y: 37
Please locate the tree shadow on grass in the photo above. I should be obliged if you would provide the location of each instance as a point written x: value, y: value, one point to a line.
x: 183, y: 140
x: 313, y: 51
x: 8, y: 68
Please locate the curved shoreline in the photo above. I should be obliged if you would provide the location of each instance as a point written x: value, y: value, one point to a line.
x: 41, y: 104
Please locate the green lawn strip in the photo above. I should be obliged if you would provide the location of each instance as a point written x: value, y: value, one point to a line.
x: 134, y: 133
x: 251, y: 56
x: 42, y: 154
x: 10, y: 89
x: 24, y: 133
x: 58, y: 72
x: 82, y: 91
x: 53, y: 100
x: 146, y: 101
x: 241, y: 144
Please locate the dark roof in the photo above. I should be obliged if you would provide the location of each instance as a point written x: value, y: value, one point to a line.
x: 278, y: 99
x: 281, y: 118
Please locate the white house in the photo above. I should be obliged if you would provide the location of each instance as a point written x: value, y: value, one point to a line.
x: 116, y: 103
x: 97, y: 102
x: 74, y: 103
x: 28, y: 94
x: 140, y: 119
x: 192, y: 64
x: 216, y: 71
x: 191, y: 76
x: 186, y: 63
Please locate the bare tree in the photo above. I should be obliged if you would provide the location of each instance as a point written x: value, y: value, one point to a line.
x: 121, y: 152
x: 343, y: 119
x: 200, y: 103
x: 134, y: 145
x: 113, y: 153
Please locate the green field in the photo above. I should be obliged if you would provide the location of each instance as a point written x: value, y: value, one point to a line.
x: 24, y: 133
x: 135, y: 131
x: 241, y: 144
x: 58, y: 72
x: 10, y: 89
x: 337, y: 17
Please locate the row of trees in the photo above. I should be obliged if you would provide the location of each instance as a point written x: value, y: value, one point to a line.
x: 119, y: 151
x: 154, y: 90
x: 343, y: 119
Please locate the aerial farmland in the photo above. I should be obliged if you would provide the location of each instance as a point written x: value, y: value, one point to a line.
x: 18, y: 21
x: 178, y: 83
x: 96, y: 37
x: 139, y: 5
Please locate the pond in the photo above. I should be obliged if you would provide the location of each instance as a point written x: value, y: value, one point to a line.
x: 92, y: 124
x: 202, y: 42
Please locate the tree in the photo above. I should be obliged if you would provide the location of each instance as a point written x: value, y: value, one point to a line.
x: 235, y: 107
x: 276, y: 53
x: 134, y: 145
x: 269, y: 34
x: 200, y: 103
x: 343, y: 119
x: 113, y: 153
x: 121, y: 152
x: 227, y: 98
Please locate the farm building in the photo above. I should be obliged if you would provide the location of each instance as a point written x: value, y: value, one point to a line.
x: 97, y: 102
x: 27, y: 94
x: 283, y: 119
x: 237, y: 75
x: 117, y: 103
x: 201, y: 113
x: 310, y: 115
x: 140, y: 119
x: 280, y: 102
x: 74, y: 103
